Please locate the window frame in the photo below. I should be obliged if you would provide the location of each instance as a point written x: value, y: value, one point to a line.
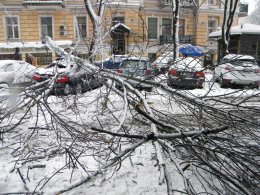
x: 6, y: 28
x: 75, y: 27
x: 214, y: 2
x: 118, y: 19
x: 164, y: 19
x: 183, y: 27
x: 157, y: 28
x: 40, y: 26
x: 210, y: 19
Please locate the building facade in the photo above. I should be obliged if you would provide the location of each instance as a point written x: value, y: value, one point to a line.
x: 142, y: 27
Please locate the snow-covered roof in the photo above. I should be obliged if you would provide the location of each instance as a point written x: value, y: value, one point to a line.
x: 238, y: 57
x: 240, y: 29
x: 120, y: 25
x: 12, y: 45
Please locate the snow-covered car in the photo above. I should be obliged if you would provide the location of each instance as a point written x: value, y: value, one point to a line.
x: 111, y: 62
x: 71, y: 79
x: 161, y: 63
x: 186, y: 73
x: 135, y: 71
x: 14, y: 73
x: 241, y: 70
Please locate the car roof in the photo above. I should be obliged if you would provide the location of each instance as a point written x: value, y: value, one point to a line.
x: 135, y: 58
x: 3, y: 62
x: 238, y: 56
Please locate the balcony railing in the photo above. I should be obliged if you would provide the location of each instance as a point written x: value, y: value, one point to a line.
x: 183, y: 3
x: 183, y: 39
x: 43, y: 3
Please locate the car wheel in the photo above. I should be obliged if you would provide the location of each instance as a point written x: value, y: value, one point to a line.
x: 78, y: 89
x: 215, y: 77
x: 119, y: 87
x: 67, y: 89
x: 222, y: 82
x: 200, y: 86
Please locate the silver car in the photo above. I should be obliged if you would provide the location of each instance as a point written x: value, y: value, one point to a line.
x: 240, y: 70
x: 15, y: 73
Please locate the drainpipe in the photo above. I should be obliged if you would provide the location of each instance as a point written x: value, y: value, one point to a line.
x: 195, y: 20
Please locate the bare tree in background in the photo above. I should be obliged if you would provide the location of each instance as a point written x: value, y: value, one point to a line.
x: 255, y: 16
x: 210, y: 142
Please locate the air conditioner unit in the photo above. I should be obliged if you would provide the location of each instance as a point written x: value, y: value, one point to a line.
x: 63, y: 30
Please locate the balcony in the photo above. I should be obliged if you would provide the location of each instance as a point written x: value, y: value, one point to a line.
x: 243, y: 10
x: 183, y: 3
x: 183, y: 39
x: 43, y: 3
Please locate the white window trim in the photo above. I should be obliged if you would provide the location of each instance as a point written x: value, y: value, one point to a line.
x: 158, y: 30
x: 5, y: 27
x: 74, y: 26
x: 40, y: 25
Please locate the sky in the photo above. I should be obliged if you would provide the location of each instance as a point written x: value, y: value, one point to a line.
x: 251, y: 5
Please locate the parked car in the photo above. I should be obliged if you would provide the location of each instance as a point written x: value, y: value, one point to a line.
x: 136, y: 70
x: 161, y: 64
x: 241, y: 70
x: 186, y: 73
x: 15, y: 73
x: 71, y: 79
x: 112, y: 62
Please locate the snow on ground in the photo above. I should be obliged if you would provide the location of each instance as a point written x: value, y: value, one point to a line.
x: 138, y: 174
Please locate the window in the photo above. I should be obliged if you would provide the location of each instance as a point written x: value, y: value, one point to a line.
x: 166, y: 26
x: 117, y: 20
x: 46, y: 27
x: 152, y: 28
x: 181, y: 27
x: 82, y: 27
x: 212, y: 25
x: 211, y: 2
x: 12, y: 27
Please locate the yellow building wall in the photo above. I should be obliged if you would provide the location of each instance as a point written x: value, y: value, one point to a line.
x: 1, y: 28
x: 30, y: 25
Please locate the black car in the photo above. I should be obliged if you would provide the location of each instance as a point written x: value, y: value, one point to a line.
x: 71, y: 79
x: 186, y: 73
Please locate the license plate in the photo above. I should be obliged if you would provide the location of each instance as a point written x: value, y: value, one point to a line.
x: 187, y: 74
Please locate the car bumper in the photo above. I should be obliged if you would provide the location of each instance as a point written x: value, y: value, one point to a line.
x: 185, y: 82
x: 249, y: 80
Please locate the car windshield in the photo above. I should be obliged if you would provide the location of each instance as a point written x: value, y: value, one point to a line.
x: 7, y: 67
x: 55, y: 64
x: 134, y: 64
x: 243, y: 62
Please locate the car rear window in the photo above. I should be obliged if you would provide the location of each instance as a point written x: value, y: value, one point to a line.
x: 134, y: 64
